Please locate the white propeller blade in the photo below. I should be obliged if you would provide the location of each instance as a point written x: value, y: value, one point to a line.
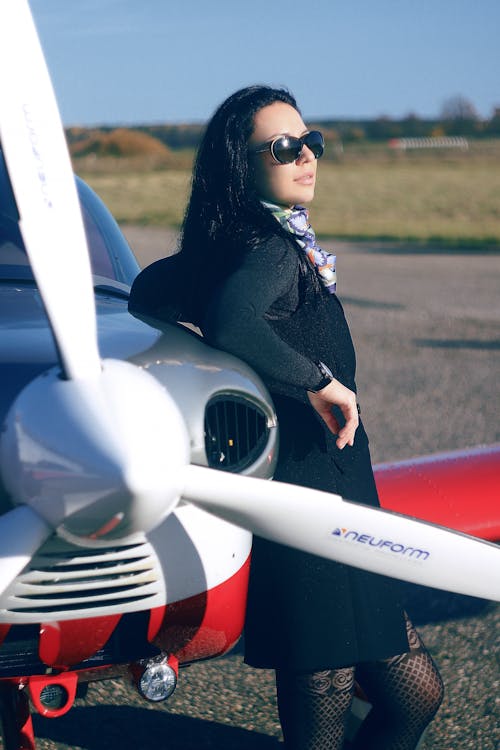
x: 357, y: 535
x: 36, y: 154
x: 22, y: 531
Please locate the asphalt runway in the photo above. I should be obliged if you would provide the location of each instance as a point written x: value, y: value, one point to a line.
x: 426, y: 325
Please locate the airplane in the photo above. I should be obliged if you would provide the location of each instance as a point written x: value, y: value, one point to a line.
x: 135, y: 459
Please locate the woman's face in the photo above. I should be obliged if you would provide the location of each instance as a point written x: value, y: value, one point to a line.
x: 284, y: 184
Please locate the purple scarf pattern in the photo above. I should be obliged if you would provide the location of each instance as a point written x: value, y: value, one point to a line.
x: 296, y: 221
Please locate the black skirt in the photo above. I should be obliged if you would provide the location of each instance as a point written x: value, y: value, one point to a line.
x: 305, y: 613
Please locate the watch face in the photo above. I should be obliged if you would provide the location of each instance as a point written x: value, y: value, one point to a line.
x: 325, y: 370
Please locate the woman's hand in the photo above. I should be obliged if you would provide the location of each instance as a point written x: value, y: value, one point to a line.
x: 336, y: 394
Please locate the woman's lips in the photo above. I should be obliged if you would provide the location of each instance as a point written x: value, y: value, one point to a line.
x: 306, y: 179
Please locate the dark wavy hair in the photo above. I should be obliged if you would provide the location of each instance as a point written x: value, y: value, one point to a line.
x: 224, y: 215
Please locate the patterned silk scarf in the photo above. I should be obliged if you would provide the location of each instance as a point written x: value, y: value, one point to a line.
x: 296, y: 221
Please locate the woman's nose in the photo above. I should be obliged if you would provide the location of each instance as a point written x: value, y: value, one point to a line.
x: 306, y: 155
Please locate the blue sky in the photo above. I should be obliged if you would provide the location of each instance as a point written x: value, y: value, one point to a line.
x: 150, y: 61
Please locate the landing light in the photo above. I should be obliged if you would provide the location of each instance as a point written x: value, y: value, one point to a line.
x: 158, y: 680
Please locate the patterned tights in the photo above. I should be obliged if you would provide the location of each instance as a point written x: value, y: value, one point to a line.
x: 405, y: 692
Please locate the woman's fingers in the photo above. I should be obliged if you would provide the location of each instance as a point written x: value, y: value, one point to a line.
x: 327, y: 415
x: 346, y: 434
x: 336, y: 394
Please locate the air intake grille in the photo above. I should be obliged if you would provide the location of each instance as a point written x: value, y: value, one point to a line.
x: 236, y: 433
x: 63, y: 580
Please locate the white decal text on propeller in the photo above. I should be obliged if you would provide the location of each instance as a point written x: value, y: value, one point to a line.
x: 33, y: 138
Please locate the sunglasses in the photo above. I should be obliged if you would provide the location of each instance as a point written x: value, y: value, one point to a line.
x: 286, y: 149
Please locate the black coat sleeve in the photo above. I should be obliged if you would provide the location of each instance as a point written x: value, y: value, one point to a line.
x: 235, y: 319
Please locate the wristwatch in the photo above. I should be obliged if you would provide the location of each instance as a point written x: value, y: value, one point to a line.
x: 326, y: 377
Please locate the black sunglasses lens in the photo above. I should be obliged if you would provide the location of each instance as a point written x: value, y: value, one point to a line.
x: 286, y: 149
x: 314, y: 141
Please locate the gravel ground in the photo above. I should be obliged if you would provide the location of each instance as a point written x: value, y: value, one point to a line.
x: 427, y: 331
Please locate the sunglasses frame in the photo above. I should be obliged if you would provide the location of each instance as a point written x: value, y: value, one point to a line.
x: 269, y: 146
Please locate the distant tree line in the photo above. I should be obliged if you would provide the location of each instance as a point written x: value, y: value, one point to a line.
x: 458, y: 117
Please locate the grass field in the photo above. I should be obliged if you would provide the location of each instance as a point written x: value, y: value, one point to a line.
x: 364, y: 193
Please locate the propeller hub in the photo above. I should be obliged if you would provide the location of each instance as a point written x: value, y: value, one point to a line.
x: 96, y: 458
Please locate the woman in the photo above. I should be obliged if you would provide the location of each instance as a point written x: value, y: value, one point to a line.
x: 262, y: 289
